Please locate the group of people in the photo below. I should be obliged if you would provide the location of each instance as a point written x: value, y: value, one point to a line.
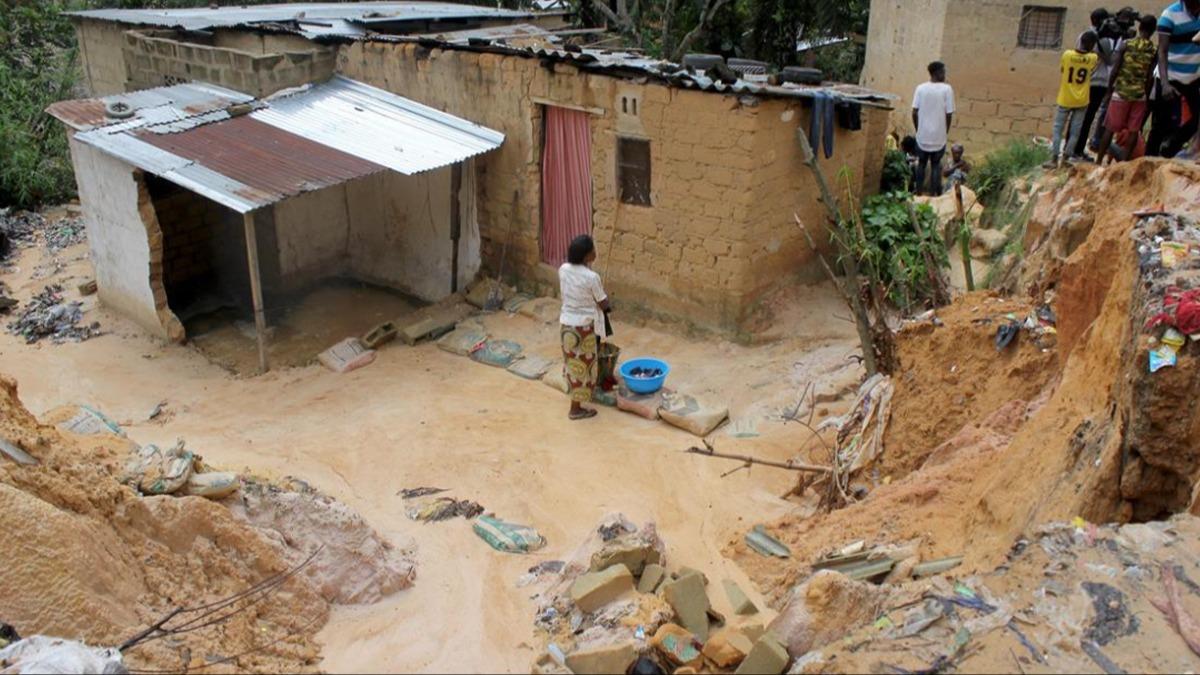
x: 1118, y: 75
x: 1123, y: 70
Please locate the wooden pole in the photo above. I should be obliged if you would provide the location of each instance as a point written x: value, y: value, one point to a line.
x: 748, y: 460
x: 455, y: 222
x: 260, y: 318
x: 964, y: 236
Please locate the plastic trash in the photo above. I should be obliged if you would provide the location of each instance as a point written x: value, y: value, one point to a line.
x: 1163, y: 357
x: 508, y: 537
x: 41, y: 654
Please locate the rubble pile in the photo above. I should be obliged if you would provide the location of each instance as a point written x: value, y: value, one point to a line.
x: 618, y: 605
x: 23, y: 229
x: 48, y: 315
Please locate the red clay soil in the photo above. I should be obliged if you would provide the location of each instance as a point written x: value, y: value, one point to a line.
x: 984, y: 490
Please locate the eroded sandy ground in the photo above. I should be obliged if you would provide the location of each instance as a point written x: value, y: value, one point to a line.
x: 420, y: 416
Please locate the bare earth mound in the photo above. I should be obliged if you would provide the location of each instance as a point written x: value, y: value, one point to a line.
x: 87, y: 558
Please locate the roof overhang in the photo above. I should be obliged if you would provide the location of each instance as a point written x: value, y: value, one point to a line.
x: 246, y: 154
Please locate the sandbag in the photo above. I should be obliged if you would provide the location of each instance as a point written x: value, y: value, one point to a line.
x: 154, y: 471
x: 546, y: 310
x: 531, y: 367
x: 508, y: 537
x: 347, y: 355
x: 498, y: 353
x: 486, y: 290
x: 642, y: 405
x: 690, y: 414
x: 513, y: 304
x: 555, y: 378
x: 89, y: 422
x: 213, y: 485
x: 463, y: 340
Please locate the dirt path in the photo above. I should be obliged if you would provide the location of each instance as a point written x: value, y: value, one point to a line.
x: 419, y: 416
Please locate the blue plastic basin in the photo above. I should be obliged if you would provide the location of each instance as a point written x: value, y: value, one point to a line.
x: 644, y: 385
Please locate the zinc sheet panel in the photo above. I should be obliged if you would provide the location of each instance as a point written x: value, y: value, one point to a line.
x: 149, y: 106
x: 203, y: 18
x: 378, y: 126
x: 264, y: 158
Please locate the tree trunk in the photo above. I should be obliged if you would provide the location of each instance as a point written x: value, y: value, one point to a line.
x: 711, y: 7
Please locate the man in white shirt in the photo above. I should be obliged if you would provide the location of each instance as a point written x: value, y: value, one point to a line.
x: 932, y: 112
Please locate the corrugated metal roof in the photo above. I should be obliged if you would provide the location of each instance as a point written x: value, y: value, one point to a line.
x: 204, y: 18
x: 303, y: 140
x: 149, y: 106
x: 271, y: 161
x: 368, y: 122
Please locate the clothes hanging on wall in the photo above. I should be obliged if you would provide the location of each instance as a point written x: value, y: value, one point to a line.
x: 820, y: 129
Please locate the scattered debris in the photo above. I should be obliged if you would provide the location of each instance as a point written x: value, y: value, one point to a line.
x: 443, y: 508
x: 765, y: 544
x: 88, y: 287
x: 88, y: 422
x: 46, y: 315
x: 23, y: 229
x: 16, y: 454
x: 153, y: 471
x: 380, y: 335
x: 413, y: 493
x: 594, y: 590
x: 859, y: 442
x: 508, y: 537
x: 935, y: 567
x: 741, y: 603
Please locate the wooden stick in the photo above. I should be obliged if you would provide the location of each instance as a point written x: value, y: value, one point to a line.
x: 793, y: 466
x: 256, y: 294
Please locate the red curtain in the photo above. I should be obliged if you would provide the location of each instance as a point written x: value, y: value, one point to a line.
x: 566, y: 182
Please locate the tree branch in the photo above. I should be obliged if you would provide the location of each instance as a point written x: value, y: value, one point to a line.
x: 711, y: 7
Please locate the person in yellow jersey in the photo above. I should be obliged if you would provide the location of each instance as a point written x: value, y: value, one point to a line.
x: 1074, y: 90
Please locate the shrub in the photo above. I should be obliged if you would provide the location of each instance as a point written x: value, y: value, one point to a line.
x: 1018, y: 158
x: 899, y: 240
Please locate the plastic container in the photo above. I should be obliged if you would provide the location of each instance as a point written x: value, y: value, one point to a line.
x: 644, y: 385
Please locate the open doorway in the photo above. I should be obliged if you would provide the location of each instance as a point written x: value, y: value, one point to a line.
x: 566, y: 180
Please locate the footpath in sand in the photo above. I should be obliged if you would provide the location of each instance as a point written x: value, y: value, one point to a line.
x: 422, y: 417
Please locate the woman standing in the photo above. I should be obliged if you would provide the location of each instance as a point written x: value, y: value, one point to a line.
x: 584, y: 305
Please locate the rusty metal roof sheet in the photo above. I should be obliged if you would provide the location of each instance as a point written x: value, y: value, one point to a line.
x: 311, y: 14
x: 378, y: 126
x: 303, y: 140
x: 149, y: 106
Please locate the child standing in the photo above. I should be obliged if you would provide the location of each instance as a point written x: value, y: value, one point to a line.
x: 1074, y: 88
x: 1129, y: 89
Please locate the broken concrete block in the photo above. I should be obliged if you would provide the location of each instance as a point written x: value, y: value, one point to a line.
x: 738, y: 600
x: 546, y: 665
x: 604, y: 659
x: 633, y: 554
x: 687, y: 597
x: 678, y: 645
x: 596, y: 589
x: 652, y: 576
x: 727, y: 648
x: 433, y: 322
x: 380, y: 335
x: 688, y: 571
x: 753, y: 631
x: 767, y: 657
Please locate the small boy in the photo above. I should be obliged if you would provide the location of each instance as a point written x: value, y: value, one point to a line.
x: 1074, y: 88
x: 958, y: 168
x: 1129, y: 90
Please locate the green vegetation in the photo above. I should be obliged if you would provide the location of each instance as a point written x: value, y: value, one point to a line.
x: 896, y: 174
x: 898, y: 246
x: 1000, y: 167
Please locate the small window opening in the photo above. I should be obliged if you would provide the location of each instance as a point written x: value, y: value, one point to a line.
x: 633, y: 171
x: 1041, y: 27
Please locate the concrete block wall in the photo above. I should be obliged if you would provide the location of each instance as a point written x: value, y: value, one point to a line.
x: 157, y: 58
x: 189, y: 224
x: 1003, y: 91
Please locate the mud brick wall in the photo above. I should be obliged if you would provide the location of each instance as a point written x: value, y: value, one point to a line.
x: 1004, y: 91
x: 726, y: 177
x: 157, y: 58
